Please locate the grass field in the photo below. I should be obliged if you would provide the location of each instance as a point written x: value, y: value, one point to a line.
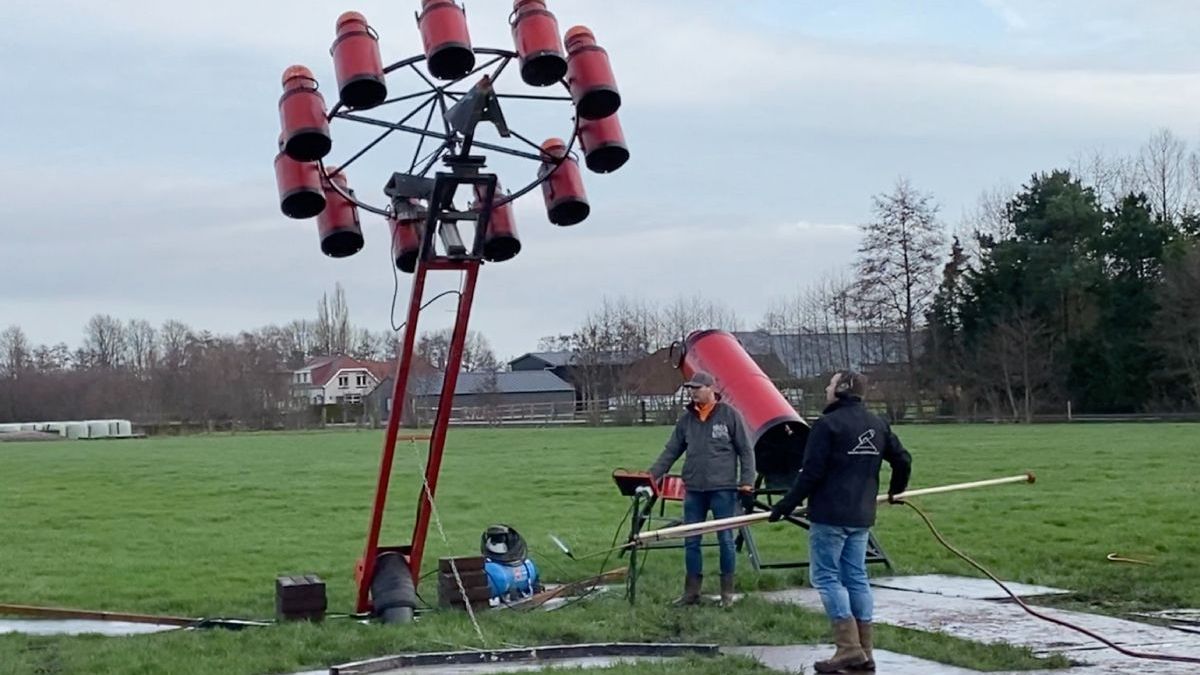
x: 201, y: 526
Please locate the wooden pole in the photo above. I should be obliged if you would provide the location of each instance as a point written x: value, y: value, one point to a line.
x: 65, y: 613
x: 708, y: 527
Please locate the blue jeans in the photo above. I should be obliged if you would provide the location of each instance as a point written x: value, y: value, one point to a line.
x: 838, y: 570
x: 696, y: 505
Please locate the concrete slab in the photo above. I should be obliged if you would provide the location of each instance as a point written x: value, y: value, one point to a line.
x: 991, y: 622
x: 1188, y: 616
x: 79, y: 627
x: 799, y: 659
x: 962, y: 587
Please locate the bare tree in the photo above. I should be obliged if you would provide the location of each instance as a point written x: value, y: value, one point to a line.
x: 143, y: 346
x: 52, y: 358
x: 434, y: 348
x: 1113, y: 177
x: 898, y: 261
x: 15, y: 354
x: 987, y: 222
x: 332, y: 333
x: 104, y: 341
x: 173, y: 340
x: 686, y: 314
x: 1162, y: 165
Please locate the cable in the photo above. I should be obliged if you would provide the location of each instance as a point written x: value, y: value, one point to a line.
x: 604, y: 563
x: 1066, y: 624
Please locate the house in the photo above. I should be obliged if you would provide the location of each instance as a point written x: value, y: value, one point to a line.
x: 807, y: 355
x: 531, y: 394
x: 595, y: 376
x: 339, y: 379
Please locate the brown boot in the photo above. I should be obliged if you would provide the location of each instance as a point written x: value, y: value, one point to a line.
x: 691, y: 590
x: 849, y: 652
x: 726, y: 590
x: 864, y: 640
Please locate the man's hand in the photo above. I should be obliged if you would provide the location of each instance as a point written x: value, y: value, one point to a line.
x: 892, y: 499
x: 779, y: 510
x: 746, y: 497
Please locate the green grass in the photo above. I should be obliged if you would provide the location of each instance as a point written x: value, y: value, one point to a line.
x: 201, y: 526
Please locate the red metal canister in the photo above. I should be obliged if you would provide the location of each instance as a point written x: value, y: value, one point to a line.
x: 500, y: 241
x: 338, y: 225
x: 562, y: 190
x: 357, y: 62
x: 406, y: 242
x: 305, y: 135
x: 589, y: 75
x: 535, y: 33
x: 603, y: 144
x: 447, y: 43
x: 300, y: 192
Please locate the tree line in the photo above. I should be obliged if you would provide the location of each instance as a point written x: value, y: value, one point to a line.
x: 1079, y: 287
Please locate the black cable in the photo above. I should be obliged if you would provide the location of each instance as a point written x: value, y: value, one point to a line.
x: 604, y: 563
x: 1066, y: 624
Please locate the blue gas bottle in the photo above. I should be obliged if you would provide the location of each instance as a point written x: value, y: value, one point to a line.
x: 511, y: 581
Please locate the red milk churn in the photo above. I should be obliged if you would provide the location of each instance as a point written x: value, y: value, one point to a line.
x: 776, y: 431
x: 300, y: 191
x: 406, y: 242
x: 589, y: 76
x: 443, y: 27
x: 535, y: 33
x: 305, y: 135
x: 603, y: 144
x: 566, y: 200
x: 357, y: 62
x: 338, y: 226
x: 500, y: 240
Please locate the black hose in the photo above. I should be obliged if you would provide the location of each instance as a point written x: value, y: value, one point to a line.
x: 1066, y: 624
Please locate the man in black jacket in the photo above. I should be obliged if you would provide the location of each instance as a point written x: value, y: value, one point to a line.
x: 840, y: 479
x: 718, y: 467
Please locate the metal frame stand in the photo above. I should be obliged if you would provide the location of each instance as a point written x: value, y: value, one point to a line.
x: 442, y: 220
x: 875, y: 553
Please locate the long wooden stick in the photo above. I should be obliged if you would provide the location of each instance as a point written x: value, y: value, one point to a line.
x: 67, y: 613
x: 708, y: 527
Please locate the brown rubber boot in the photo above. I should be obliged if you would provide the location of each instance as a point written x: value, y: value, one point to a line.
x: 726, y: 590
x: 864, y: 640
x: 849, y: 652
x: 691, y: 590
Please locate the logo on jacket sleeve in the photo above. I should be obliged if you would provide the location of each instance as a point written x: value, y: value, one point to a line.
x: 865, y: 446
x: 720, y: 432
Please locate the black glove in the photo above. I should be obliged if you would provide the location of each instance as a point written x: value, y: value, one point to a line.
x: 779, y: 510
x: 747, y: 500
x: 893, y: 500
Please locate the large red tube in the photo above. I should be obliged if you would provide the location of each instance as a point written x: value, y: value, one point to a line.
x: 776, y: 431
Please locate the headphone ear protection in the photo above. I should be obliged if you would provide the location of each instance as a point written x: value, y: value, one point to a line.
x: 845, y: 384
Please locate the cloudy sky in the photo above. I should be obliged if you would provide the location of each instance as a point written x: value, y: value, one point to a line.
x: 138, y: 141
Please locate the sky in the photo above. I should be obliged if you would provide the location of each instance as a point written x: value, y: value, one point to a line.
x: 138, y: 142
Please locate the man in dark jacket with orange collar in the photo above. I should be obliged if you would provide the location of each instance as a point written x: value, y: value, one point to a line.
x: 719, y: 465
x: 840, y: 479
